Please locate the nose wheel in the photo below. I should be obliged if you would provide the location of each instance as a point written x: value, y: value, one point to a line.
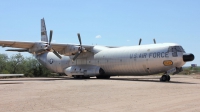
x: 165, y: 78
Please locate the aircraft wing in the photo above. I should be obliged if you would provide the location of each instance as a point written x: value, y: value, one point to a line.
x: 59, y: 47
x: 24, y: 45
x: 16, y: 44
x: 31, y: 47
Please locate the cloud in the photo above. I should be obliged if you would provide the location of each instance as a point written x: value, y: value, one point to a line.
x: 98, y: 36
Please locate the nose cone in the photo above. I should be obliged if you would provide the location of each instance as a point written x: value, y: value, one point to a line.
x: 188, y: 57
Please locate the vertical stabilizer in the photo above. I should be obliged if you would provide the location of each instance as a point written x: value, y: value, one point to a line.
x: 44, y: 36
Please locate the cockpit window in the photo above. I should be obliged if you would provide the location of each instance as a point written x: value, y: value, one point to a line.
x: 182, y: 49
x: 175, y: 49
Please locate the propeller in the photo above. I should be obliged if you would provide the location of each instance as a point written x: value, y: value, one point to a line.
x: 50, y: 48
x: 80, y: 48
x: 154, y: 41
x: 50, y: 36
x: 140, y: 41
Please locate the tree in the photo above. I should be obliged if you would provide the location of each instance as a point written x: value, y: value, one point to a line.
x: 16, y: 63
x: 3, y: 62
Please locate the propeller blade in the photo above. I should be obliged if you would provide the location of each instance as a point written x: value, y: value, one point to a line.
x: 50, y: 36
x: 81, y: 49
x: 140, y: 41
x: 79, y: 37
x: 154, y: 41
x: 56, y: 53
x: 77, y: 54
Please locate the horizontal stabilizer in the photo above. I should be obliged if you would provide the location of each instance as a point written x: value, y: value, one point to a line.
x: 8, y: 75
x: 18, y: 50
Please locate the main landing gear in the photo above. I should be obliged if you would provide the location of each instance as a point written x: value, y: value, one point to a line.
x: 81, y: 77
x: 165, y: 78
x: 103, y: 77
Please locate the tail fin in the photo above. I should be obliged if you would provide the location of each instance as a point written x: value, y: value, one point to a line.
x: 44, y: 36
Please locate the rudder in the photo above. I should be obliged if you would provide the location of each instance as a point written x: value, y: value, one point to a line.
x: 44, y: 36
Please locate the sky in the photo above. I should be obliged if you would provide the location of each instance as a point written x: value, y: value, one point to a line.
x: 104, y: 22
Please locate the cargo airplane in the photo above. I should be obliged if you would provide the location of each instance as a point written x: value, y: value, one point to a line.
x: 84, y: 61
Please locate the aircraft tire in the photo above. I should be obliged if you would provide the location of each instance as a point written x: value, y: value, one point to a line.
x: 103, y: 77
x: 76, y: 76
x: 163, y: 78
x: 86, y: 77
x: 81, y: 77
x: 106, y: 77
x: 99, y: 77
x: 168, y: 78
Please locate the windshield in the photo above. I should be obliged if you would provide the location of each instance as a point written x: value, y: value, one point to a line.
x: 176, y: 49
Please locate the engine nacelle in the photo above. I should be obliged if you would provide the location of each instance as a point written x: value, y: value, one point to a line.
x: 86, y: 70
x: 70, y: 50
x: 39, y: 47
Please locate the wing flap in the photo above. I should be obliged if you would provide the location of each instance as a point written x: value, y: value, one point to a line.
x: 18, y: 50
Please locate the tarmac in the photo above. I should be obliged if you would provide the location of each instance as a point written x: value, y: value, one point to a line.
x: 118, y: 94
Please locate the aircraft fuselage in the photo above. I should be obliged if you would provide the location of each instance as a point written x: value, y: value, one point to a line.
x: 133, y: 60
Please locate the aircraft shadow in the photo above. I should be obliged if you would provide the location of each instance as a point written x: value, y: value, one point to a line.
x: 11, y: 83
x: 112, y: 78
x: 149, y: 80
x: 39, y: 79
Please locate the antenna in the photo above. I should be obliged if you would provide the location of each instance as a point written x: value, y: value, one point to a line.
x: 140, y: 41
x: 154, y: 41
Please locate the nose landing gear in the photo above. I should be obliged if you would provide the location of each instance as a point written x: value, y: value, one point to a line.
x: 165, y: 78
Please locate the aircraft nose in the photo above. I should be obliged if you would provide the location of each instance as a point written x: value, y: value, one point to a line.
x: 188, y: 57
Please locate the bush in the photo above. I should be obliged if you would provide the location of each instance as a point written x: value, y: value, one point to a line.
x: 18, y: 64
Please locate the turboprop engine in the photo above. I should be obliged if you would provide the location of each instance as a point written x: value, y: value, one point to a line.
x: 74, y: 49
x: 84, y: 70
x: 71, y: 50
